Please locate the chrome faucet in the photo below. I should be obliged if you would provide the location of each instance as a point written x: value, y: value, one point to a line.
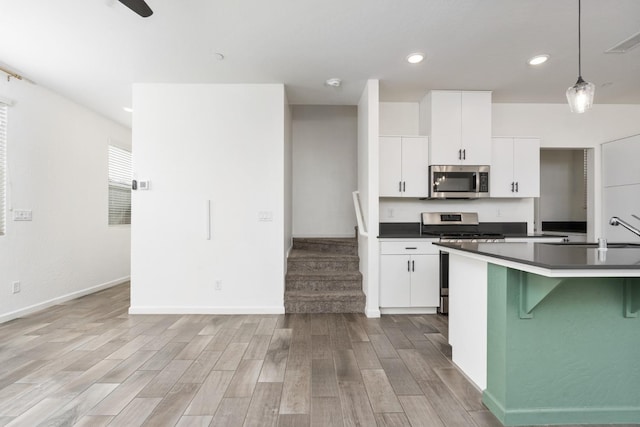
x: 617, y: 221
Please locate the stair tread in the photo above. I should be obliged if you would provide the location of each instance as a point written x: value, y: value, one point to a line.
x: 348, y: 292
x: 337, y: 240
x: 304, y: 253
x: 333, y: 273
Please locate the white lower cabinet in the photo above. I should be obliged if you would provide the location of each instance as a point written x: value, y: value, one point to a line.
x: 409, y: 275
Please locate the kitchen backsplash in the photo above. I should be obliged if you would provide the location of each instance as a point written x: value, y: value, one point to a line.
x: 489, y: 210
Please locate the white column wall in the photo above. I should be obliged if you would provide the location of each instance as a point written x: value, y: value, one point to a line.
x: 368, y: 246
x: 226, y: 144
x: 57, y: 167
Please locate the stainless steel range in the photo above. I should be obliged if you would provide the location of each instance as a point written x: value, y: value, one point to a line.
x: 453, y: 227
x: 456, y: 227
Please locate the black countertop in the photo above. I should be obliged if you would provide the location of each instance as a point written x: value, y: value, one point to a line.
x: 558, y: 256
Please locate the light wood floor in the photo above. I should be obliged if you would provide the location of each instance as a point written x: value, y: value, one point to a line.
x: 89, y: 363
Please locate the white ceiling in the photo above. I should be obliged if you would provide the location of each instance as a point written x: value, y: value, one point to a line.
x: 93, y: 50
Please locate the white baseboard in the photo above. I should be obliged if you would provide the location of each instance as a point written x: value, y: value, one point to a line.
x: 206, y: 310
x: 324, y: 236
x: 58, y: 300
x: 372, y: 313
x: 410, y: 310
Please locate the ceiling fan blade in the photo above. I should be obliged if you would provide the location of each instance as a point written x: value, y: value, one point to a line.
x: 138, y: 6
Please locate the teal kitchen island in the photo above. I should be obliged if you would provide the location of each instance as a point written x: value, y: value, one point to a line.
x: 549, y: 332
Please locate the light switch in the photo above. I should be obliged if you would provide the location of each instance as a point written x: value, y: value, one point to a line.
x: 22, y: 215
x: 265, y: 216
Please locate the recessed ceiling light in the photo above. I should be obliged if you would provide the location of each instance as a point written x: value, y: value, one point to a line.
x: 415, y: 58
x: 219, y: 56
x: 335, y: 82
x: 538, y: 59
x: 128, y: 109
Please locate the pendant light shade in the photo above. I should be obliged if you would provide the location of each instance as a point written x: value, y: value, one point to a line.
x: 580, y: 95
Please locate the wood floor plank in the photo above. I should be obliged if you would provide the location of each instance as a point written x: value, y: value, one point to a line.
x: 296, y: 391
x: 221, y: 340
x: 416, y: 364
x: 356, y: 409
x: 208, y: 397
x: 194, y: 421
x: 397, y: 338
x: 382, y: 346
x: 293, y: 420
x: 346, y: 366
x: 263, y: 409
x: 39, y: 412
x: 164, y: 380
x: 420, y: 412
x: 201, y: 367
x: 258, y: 347
x: 326, y: 412
x: 485, y: 418
x: 172, y: 406
x: 323, y: 378
x: 136, y: 412
x: 274, y: 366
x: 245, y: 378
x: 70, y: 413
x: 87, y: 378
x: 123, y: 394
x: 445, y: 404
x: 392, y: 419
x: 401, y: 379
x: 319, y: 325
x: 266, y: 326
x: 94, y: 421
x: 231, y: 357
x: 131, y: 347
x: 163, y: 356
x: 380, y: 392
x: 365, y: 355
x: 231, y: 412
x: 465, y: 392
x: 193, y: 349
x: 321, y: 347
x: 127, y: 367
x: 354, y: 328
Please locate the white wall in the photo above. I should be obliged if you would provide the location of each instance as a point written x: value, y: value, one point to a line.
x: 288, y: 182
x: 324, y: 170
x: 562, y: 185
x: 399, y: 118
x: 368, y: 247
x: 227, y: 144
x: 57, y: 162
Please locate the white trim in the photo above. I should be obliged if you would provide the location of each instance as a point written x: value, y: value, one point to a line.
x: 324, y: 236
x: 372, y: 313
x: 58, y: 300
x: 206, y: 310
x: 409, y: 310
x: 362, y: 229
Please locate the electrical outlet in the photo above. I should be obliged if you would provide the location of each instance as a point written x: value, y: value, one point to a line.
x: 15, y: 287
x: 22, y: 215
x: 218, y: 285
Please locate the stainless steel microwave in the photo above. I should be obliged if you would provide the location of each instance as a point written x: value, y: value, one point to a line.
x: 458, y: 181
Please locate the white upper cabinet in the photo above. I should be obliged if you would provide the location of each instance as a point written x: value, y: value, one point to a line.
x: 404, y: 166
x: 458, y: 124
x: 620, y: 162
x: 515, y: 167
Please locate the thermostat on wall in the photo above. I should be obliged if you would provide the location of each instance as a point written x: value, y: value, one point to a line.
x: 144, y: 185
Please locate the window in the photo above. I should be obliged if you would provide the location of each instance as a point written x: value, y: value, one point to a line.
x: 119, y: 186
x: 3, y: 164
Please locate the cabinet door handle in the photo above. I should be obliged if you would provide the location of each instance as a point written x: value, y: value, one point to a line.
x: 464, y: 154
x: 460, y: 154
x: 411, y: 247
x: 516, y: 187
x: 413, y: 266
x: 404, y: 186
x: 400, y: 186
x: 408, y: 265
x: 512, y: 186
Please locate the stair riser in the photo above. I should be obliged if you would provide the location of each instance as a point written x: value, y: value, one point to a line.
x: 324, y: 307
x: 318, y: 265
x: 346, y: 249
x: 323, y: 285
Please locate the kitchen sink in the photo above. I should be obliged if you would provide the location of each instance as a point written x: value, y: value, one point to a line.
x: 595, y: 245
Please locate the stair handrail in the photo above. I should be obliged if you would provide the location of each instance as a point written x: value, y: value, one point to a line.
x: 362, y: 230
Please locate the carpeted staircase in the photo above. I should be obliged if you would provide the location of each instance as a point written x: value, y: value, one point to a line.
x: 323, y: 277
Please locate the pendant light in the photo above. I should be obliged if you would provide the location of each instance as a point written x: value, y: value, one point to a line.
x: 580, y: 95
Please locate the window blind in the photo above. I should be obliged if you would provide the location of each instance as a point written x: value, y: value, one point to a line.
x: 119, y: 186
x: 3, y: 165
